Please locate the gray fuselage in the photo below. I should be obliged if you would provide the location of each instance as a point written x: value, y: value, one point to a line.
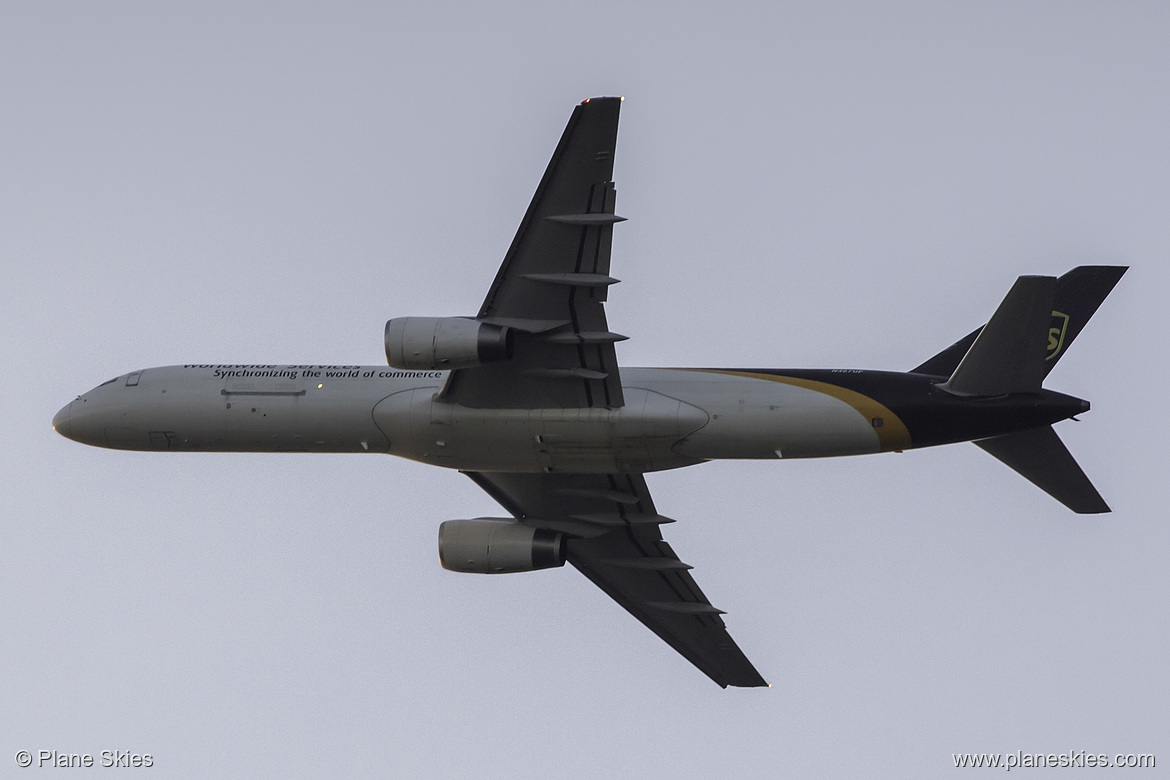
x: 672, y: 417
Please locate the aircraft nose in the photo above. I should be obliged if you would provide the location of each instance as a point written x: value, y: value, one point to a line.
x: 61, y: 421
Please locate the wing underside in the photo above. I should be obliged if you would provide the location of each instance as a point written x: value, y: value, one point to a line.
x: 615, y: 541
x: 550, y: 291
x: 553, y: 283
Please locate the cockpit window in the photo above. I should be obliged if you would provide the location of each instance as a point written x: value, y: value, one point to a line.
x: 108, y: 382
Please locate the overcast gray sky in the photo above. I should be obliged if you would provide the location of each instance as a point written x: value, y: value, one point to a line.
x: 807, y: 185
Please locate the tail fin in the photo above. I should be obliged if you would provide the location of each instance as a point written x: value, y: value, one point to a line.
x: 1013, y: 353
x: 1078, y: 295
x: 1008, y: 354
x: 1040, y: 456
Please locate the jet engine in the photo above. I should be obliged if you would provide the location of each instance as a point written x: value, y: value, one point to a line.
x: 490, y: 545
x: 430, y: 343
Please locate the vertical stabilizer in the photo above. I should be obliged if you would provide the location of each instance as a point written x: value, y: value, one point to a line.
x: 1078, y: 295
x: 1040, y: 456
x: 1008, y: 355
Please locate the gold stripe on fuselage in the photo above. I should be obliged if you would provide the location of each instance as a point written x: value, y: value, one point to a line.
x: 891, y: 431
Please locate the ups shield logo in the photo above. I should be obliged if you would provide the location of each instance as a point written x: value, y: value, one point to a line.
x: 1056, y: 330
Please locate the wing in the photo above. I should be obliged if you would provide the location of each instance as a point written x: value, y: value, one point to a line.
x: 615, y: 541
x: 553, y: 282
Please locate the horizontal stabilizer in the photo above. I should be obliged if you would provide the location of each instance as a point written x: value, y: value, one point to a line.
x: 1008, y: 355
x: 1040, y: 456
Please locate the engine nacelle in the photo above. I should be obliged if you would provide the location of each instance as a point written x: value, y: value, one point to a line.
x: 430, y: 343
x: 490, y: 545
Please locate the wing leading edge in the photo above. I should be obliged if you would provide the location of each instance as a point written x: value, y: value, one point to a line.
x: 615, y: 542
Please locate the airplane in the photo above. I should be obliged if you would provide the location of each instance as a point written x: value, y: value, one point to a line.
x: 527, y: 399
